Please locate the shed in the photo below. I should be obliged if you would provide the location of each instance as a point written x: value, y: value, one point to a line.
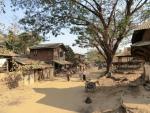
x: 8, y: 56
x: 34, y: 70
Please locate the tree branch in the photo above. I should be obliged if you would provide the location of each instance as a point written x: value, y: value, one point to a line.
x: 100, y: 13
x: 85, y: 7
x: 91, y: 5
x: 112, y: 12
x: 138, y: 6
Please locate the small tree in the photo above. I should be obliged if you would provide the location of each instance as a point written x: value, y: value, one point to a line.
x: 11, y: 42
x: 20, y: 43
x: 27, y: 40
x: 94, y: 56
x: 70, y: 56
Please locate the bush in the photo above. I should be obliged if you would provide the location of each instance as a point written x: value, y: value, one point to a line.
x: 12, y: 81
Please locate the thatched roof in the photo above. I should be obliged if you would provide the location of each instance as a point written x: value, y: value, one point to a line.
x: 145, y: 25
x: 125, y: 53
x: 6, y: 53
x: 30, y: 63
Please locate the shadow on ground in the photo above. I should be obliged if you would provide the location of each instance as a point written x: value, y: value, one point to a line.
x: 66, y: 98
x: 72, y: 99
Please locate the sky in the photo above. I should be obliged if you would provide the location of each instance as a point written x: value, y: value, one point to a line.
x: 11, y: 17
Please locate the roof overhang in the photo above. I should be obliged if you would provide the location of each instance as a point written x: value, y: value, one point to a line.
x: 62, y: 62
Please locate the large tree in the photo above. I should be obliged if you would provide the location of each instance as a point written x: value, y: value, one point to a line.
x: 98, y: 23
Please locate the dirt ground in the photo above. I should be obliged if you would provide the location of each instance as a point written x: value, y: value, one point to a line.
x: 60, y: 96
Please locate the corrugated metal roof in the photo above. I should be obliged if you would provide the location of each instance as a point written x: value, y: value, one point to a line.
x: 50, y: 45
x: 145, y: 25
x: 141, y: 43
x: 62, y: 62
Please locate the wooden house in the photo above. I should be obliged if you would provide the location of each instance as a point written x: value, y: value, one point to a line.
x: 141, y: 46
x: 52, y: 53
x: 81, y: 57
x: 80, y: 61
x: 141, y: 41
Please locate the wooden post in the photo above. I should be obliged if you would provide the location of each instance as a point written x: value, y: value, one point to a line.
x: 147, y: 71
x: 7, y: 66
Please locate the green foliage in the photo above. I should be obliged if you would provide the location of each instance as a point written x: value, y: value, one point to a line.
x: 11, y: 42
x: 94, y: 56
x: 146, y: 11
x: 20, y: 43
x: 12, y: 81
x: 70, y: 56
x: 27, y: 40
x: 2, y: 6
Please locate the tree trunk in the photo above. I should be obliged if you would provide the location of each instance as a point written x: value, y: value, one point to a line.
x: 109, y: 66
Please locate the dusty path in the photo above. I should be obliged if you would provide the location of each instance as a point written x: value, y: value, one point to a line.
x: 60, y: 96
x: 57, y: 96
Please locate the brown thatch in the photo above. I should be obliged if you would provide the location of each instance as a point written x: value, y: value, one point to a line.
x: 125, y: 53
x: 145, y: 25
x: 6, y: 53
x: 28, y: 63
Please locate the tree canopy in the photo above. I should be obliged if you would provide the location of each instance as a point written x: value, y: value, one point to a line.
x: 94, y: 56
x: 20, y: 43
x: 98, y: 23
x: 2, y: 6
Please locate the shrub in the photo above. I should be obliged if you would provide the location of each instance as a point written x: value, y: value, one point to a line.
x: 12, y: 81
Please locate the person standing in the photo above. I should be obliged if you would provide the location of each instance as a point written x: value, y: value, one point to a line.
x: 80, y: 75
x: 68, y: 75
x: 84, y: 75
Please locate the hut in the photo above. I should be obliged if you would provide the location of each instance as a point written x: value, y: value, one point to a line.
x: 141, y: 46
x: 125, y: 56
x: 33, y: 70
